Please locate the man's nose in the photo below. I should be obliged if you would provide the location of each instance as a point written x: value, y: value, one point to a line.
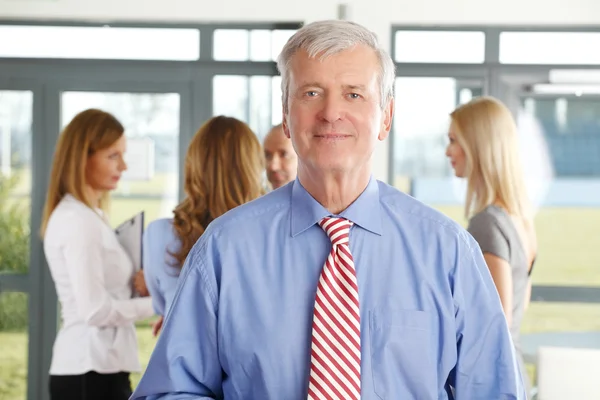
x: 274, y: 164
x: 332, y: 109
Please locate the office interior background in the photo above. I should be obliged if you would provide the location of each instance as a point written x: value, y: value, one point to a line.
x: 165, y: 67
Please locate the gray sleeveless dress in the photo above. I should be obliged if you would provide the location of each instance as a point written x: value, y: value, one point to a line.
x: 495, y: 232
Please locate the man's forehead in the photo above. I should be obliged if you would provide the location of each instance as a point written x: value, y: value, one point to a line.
x: 346, y: 68
x: 276, y: 137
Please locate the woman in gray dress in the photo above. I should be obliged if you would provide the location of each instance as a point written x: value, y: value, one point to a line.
x: 483, y: 148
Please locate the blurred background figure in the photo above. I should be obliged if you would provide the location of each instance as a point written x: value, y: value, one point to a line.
x: 96, y: 347
x: 282, y: 162
x: 223, y: 169
x: 484, y: 148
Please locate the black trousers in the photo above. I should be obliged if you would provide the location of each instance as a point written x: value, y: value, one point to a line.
x: 90, y: 386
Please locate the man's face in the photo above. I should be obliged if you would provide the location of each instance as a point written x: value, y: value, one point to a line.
x: 334, y: 113
x: 282, y: 162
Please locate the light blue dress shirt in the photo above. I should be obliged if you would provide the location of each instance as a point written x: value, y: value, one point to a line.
x: 432, y: 325
x: 160, y: 274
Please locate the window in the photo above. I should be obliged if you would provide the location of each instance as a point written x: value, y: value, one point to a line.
x: 421, y: 121
x: 440, y: 47
x: 249, y: 45
x: 253, y: 99
x: 550, y: 48
x: 100, y: 43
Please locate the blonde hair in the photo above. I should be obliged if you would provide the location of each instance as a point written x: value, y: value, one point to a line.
x: 487, y: 133
x: 223, y: 169
x: 88, y: 132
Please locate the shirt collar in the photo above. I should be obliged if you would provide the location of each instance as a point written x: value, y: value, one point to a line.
x: 364, y: 212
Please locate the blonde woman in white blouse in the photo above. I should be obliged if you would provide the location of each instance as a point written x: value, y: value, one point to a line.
x: 96, y: 347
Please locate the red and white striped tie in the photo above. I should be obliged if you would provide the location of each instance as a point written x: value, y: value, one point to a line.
x: 335, y: 350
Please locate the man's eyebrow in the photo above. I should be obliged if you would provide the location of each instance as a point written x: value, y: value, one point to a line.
x: 310, y: 84
x: 355, y: 87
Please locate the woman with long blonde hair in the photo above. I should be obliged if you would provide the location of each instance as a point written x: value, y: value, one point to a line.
x: 96, y: 347
x: 223, y: 169
x: 483, y: 148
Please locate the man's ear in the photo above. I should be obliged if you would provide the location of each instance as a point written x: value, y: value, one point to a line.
x: 386, y: 122
x: 284, y: 125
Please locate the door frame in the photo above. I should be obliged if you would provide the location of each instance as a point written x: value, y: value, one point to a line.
x: 47, y: 79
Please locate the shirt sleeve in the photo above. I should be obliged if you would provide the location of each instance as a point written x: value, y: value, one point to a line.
x: 151, y: 265
x: 85, y: 258
x: 185, y: 362
x: 486, y: 365
x: 491, y: 239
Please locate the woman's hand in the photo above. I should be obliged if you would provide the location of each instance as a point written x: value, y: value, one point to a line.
x: 157, y: 326
x: 139, y: 284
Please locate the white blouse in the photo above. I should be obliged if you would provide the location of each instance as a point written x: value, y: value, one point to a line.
x: 93, y: 278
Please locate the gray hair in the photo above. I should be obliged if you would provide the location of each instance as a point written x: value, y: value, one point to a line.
x: 326, y: 38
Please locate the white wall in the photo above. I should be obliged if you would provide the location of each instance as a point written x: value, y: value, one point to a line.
x: 378, y: 15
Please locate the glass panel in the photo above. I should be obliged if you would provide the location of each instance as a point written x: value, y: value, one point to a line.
x: 278, y: 40
x: 570, y: 212
x: 230, y: 45
x: 440, y: 47
x: 276, y: 101
x: 420, y: 132
x: 571, y: 125
x: 253, y: 45
x: 16, y: 110
x: 255, y: 100
x: 559, y: 325
x: 13, y: 337
x: 549, y: 48
x: 151, y: 122
x: 261, y: 105
x: 260, y: 45
x: 230, y: 96
x: 100, y: 43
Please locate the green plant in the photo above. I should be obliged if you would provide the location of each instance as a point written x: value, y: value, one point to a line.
x: 13, y: 312
x: 14, y: 253
x: 14, y: 229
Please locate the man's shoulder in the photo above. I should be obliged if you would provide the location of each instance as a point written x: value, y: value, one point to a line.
x: 420, y: 215
x: 249, y: 221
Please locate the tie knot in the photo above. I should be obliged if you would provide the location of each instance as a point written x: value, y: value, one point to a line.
x: 338, y: 229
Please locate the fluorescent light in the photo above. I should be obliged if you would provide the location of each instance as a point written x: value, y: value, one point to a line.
x: 578, y: 90
x: 574, y: 76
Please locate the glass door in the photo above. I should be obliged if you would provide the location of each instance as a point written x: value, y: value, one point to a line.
x: 559, y: 125
x: 254, y: 99
x: 157, y: 121
x: 16, y: 124
x: 419, y: 137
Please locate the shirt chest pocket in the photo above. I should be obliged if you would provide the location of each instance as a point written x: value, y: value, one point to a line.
x: 402, y: 354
